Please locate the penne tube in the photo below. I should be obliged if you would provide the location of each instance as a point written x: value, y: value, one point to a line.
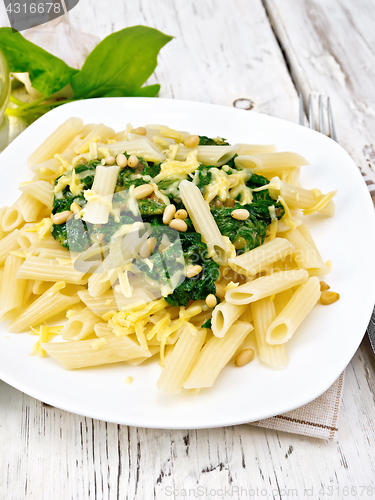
x: 223, y: 317
x: 306, y: 254
x: 2, y: 212
x: 204, y: 223
x: 56, y: 142
x: 98, y: 133
x: 112, y: 301
x: 51, y: 169
x: 281, y: 299
x: 9, y: 244
x: 266, y: 286
x: 215, y: 355
x: 29, y: 207
x: 80, y: 325
x: 263, y: 314
x: 139, y: 147
x: 41, y: 191
x: 267, y: 163
x: 97, y: 212
x: 298, y: 197
x: 298, y: 307
x: 51, y: 303
x: 12, y: 289
x: 180, y: 362
x: 12, y: 218
x: 40, y: 287
x: 72, y: 355
x: 255, y: 149
x: 253, y: 262
x: 102, y: 329
x: 38, y: 268
x: 208, y: 155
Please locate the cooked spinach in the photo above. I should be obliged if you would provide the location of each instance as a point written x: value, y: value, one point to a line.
x: 202, y: 177
x: 207, y: 141
x: 201, y: 285
x: 207, y: 324
x: 72, y: 235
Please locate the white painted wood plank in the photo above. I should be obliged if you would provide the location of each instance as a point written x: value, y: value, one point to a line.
x: 330, y: 49
x: 222, y: 51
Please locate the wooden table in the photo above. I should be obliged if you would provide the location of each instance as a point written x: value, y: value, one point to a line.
x: 266, y: 51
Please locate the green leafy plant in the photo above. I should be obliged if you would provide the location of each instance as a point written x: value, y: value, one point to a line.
x: 118, y: 66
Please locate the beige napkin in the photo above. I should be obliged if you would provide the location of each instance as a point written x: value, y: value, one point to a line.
x: 319, y: 418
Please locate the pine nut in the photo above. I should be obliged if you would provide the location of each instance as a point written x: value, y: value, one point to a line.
x: 240, y: 214
x: 70, y: 217
x: 193, y: 271
x: 121, y: 160
x: 328, y: 298
x: 244, y: 357
x: 168, y: 213
x: 181, y: 214
x: 178, y: 224
x: 147, y: 248
x: 143, y: 191
x: 132, y: 161
x: 191, y: 141
x: 140, y: 131
x: 211, y: 300
x: 220, y: 292
x: 110, y: 160
x: 218, y: 203
x: 61, y: 217
x: 74, y: 207
x: 324, y: 286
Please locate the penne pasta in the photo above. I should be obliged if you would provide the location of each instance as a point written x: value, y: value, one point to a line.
x: 223, y: 317
x: 80, y: 325
x: 305, y: 254
x: 267, y: 163
x: 49, y: 304
x: 180, y: 362
x: 12, y: 289
x: 38, y: 268
x: 263, y: 314
x: 97, y: 211
x: 12, y: 218
x: 72, y: 355
x: 215, y: 355
x: 298, y: 307
x: 41, y: 191
x: 253, y: 262
x: 56, y: 142
x: 208, y: 155
x: 204, y: 222
x: 266, y: 286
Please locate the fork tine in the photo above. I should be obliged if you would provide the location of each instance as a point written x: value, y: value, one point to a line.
x: 322, y: 125
x: 301, y: 110
x: 311, y: 113
x: 330, y: 121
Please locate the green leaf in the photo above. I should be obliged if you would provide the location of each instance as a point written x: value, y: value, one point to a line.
x: 148, y: 91
x: 48, y: 73
x: 121, y: 62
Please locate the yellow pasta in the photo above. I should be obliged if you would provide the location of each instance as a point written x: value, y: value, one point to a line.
x: 215, y: 355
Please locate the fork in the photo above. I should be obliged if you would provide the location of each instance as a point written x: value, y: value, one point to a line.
x: 332, y: 134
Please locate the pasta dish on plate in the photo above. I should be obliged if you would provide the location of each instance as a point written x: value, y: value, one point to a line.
x: 155, y: 242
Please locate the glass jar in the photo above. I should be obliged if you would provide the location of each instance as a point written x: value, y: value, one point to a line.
x: 4, y: 98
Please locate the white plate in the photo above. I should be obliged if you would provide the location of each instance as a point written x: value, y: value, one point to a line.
x: 323, y: 345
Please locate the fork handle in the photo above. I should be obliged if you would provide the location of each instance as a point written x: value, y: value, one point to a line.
x: 371, y: 330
